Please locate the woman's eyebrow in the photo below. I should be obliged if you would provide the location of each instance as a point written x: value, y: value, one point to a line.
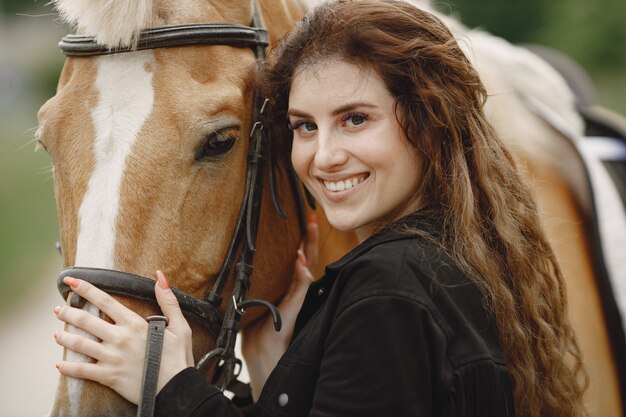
x: 343, y: 109
x: 297, y: 113
x: 352, y: 106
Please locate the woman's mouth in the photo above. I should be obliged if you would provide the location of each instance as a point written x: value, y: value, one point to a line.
x: 348, y: 183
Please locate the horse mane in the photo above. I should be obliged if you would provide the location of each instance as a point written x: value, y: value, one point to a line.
x: 113, y: 23
x: 534, y: 81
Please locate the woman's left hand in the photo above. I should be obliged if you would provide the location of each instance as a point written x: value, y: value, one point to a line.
x: 261, y: 345
x: 119, y: 351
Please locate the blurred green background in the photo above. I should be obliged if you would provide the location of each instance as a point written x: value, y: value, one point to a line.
x: 593, y: 33
x: 29, y: 67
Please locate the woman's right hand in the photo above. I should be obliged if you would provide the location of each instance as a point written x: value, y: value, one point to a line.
x: 119, y: 348
x: 262, y: 345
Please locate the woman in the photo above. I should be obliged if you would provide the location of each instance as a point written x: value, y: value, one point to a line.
x: 452, y: 305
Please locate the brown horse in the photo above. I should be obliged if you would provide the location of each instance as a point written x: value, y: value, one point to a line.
x: 138, y: 186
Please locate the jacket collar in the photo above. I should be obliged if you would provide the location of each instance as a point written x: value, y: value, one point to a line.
x: 399, y: 230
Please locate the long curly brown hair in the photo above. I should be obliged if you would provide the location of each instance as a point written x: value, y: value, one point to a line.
x: 469, y: 183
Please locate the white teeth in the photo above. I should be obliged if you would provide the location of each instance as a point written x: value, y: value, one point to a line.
x: 342, y: 185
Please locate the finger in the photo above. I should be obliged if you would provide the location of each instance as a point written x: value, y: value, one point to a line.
x: 302, y: 272
x: 83, y: 370
x: 168, y: 302
x: 85, y: 321
x: 103, y: 374
x: 311, y: 241
x: 80, y: 344
x: 295, y: 295
x: 107, y: 304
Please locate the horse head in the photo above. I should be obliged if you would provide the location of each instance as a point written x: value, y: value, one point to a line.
x: 150, y: 153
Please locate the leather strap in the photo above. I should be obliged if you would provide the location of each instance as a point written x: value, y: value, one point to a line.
x: 172, y: 36
x: 154, y: 347
x: 141, y: 288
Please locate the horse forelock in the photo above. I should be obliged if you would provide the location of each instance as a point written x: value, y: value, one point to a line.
x: 113, y: 23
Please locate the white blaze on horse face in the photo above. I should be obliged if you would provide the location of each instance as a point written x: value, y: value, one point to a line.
x: 125, y: 102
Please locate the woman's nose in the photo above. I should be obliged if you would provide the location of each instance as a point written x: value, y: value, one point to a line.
x: 330, y: 152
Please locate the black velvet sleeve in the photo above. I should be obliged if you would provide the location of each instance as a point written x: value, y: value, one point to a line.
x: 189, y: 394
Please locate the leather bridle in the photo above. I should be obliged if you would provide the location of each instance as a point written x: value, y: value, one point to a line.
x: 243, y: 243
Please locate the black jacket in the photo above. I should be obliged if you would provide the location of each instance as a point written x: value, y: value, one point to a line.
x: 391, y: 329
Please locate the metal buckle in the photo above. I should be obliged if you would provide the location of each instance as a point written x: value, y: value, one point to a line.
x: 158, y: 318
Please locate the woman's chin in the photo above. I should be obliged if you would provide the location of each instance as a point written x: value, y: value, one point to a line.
x: 343, y: 225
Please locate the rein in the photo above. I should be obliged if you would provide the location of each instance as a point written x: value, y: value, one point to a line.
x: 243, y: 243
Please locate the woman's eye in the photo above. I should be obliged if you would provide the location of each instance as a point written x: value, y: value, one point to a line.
x: 308, y: 127
x: 217, y: 143
x: 303, y: 126
x: 355, y: 119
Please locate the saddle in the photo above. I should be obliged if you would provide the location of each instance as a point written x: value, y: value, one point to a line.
x: 599, y: 157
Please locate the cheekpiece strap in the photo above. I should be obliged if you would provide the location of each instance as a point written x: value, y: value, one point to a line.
x: 152, y: 364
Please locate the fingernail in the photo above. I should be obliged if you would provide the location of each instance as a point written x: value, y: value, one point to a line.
x: 56, y: 334
x: 57, y: 365
x: 57, y: 309
x: 302, y: 257
x: 72, y: 282
x: 163, y: 283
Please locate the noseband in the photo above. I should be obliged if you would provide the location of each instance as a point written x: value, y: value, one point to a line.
x: 243, y: 243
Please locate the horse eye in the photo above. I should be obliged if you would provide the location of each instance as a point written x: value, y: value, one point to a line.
x: 40, y: 145
x: 217, y: 143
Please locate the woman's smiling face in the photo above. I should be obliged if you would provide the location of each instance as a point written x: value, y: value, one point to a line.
x: 348, y: 147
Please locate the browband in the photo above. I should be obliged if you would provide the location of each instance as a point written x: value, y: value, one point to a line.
x: 172, y: 36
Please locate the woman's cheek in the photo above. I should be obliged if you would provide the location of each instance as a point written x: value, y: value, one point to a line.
x: 300, y: 158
